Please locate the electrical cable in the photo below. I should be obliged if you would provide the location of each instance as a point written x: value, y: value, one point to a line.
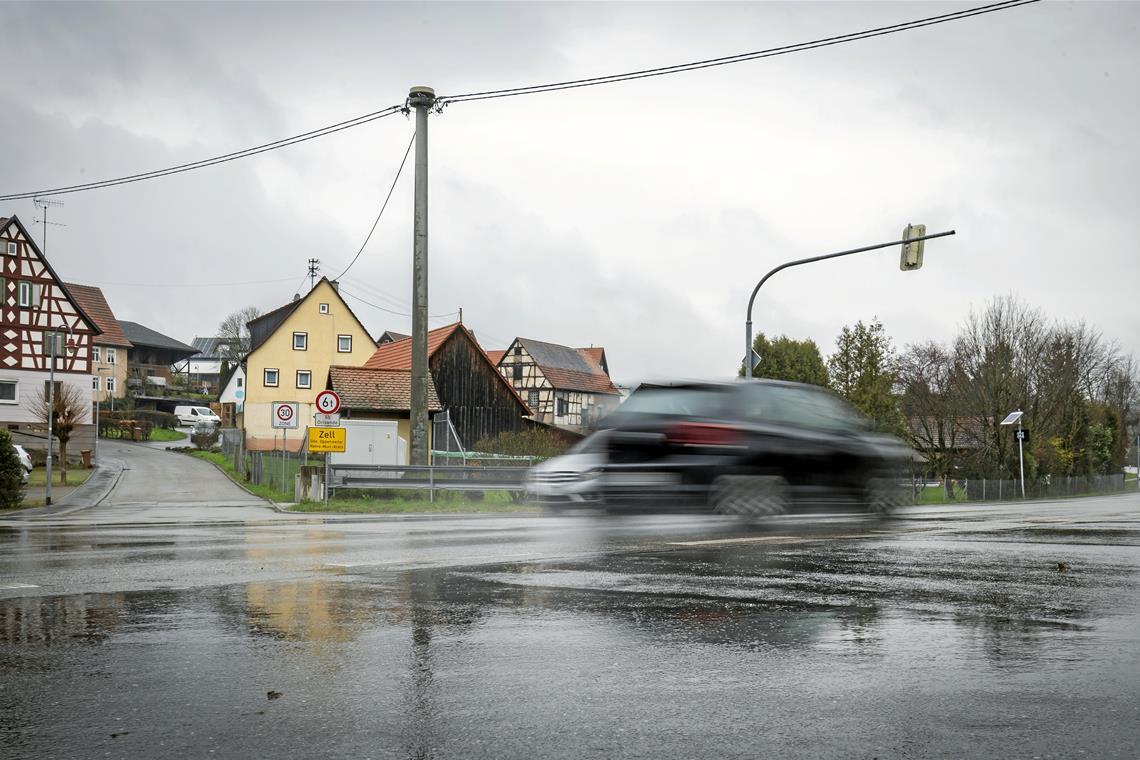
x: 389, y: 311
x: 444, y: 100
x: 219, y: 284
x: 383, y: 206
x: 263, y: 148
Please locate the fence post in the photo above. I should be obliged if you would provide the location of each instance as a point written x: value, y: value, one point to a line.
x: 431, y: 484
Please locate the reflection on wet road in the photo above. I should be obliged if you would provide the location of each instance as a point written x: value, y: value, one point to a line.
x: 1009, y: 631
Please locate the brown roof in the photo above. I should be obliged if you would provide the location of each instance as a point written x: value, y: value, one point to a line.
x: 91, y: 300
x: 379, y: 389
x: 570, y: 369
x: 398, y: 354
x: 495, y: 356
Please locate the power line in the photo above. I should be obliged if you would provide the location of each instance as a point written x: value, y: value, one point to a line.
x: 390, y: 311
x: 218, y: 284
x: 383, y: 206
x: 265, y: 147
x: 374, y: 292
x: 739, y: 58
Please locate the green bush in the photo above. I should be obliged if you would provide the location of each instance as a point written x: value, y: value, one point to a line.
x: 205, y: 436
x: 536, y: 442
x: 11, y: 489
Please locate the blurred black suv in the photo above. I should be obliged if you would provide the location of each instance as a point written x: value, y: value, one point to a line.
x: 750, y: 447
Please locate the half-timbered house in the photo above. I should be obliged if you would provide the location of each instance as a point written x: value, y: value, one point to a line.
x: 478, y: 401
x: 37, y: 311
x: 564, y: 386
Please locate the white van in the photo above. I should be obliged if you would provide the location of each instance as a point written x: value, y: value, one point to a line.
x: 194, y: 415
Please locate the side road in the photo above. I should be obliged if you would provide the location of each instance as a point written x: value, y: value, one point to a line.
x: 142, y: 483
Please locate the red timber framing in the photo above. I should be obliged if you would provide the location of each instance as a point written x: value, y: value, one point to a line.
x: 33, y: 304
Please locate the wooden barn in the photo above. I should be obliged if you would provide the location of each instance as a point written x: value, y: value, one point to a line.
x: 478, y: 400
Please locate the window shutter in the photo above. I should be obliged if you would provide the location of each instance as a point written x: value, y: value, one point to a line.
x: 36, y: 287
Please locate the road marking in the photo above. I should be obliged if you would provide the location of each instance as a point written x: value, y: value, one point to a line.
x: 751, y: 540
x: 13, y: 586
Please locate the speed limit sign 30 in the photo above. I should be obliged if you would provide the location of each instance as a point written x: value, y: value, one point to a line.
x: 328, y: 402
x: 284, y: 414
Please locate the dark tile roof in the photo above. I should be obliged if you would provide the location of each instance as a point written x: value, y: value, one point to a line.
x: 392, y: 337
x: 569, y: 369
x: 91, y: 300
x: 144, y: 336
x: 378, y: 389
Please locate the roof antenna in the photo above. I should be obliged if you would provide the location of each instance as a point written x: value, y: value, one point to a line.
x: 314, y: 269
x: 460, y: 315
x: 45, y: 204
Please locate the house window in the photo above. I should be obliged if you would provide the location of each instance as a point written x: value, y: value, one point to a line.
x: 270, y: 378
x: 300, y: 341
x: 8, y: 392
x: 110, y: 356
x: 95, y: 383
x: 3, y: 291
x: 563, y: 408
x: 95, y: 353
x: 516, y: 371
x: 344, y: 344
x: 10, y: 248
x: 110, y: 385
x: 59, y: 345
x: 239, y: 382
x: 28, y: 294
x: 532, y: 399
x: 304, y: 378
x: 324, y: 308
x: 57, y: 388
x: 518, y: 350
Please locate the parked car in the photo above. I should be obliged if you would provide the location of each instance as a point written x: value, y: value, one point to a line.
x: 191, y: 416
x: 749, y: 447
x: 25, y: 462
x: 570, y: 479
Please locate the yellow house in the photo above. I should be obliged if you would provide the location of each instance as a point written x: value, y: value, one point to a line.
x: 291, y: 350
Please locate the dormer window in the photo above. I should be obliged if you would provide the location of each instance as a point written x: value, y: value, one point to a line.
x: 300, y: 341
x: 324, y: 308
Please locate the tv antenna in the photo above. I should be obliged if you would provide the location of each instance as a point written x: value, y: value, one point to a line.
x: 44, y: 204
x: 314, y: 270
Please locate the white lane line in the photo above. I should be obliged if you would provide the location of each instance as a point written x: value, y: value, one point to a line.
x: 719, y: 541
x: 12, y: 586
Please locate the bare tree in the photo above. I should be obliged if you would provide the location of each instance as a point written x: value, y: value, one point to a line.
x: 233, y: 334
x: 67, y: 410
x: 929, y: 401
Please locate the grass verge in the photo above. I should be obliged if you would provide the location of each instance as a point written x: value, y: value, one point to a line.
x: 76, y: 476
x: 445, y: 502
x: 227, y: 466
x: 162, y: 434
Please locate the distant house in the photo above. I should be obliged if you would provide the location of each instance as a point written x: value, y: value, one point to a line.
x: 478, y: 401
x: 205, y: 367
x: 232, y: 396
x: 109, y: 352
x: 36, y: 305
x: 151, y: 356
x: 380, y: 394
x: 564, y: 386
x: 291, y: 350
x: 391, y: 337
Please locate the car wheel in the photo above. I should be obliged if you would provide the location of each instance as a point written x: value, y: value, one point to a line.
x: 750, y: 495
x: 884, y: 496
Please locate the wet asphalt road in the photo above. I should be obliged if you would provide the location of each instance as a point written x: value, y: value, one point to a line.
x: 234, y: 631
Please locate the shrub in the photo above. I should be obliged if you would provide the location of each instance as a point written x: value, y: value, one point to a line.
x: 205, y: 436
x: 11, y: 489
x: 536, y: 442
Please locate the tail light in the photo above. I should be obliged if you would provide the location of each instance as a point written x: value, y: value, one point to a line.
x: 702, y: 434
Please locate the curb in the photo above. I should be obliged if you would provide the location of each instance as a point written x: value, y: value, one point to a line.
x: 102, y: 481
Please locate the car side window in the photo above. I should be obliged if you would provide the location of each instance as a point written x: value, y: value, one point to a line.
x: 798, y: 406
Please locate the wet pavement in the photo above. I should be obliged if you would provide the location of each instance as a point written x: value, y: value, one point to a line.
x: 982, y: 631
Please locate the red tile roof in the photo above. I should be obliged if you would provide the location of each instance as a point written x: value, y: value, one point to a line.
x: 378, y: 389
x: 398, y: 354
x: 90, y: 299
x: 495, y: 356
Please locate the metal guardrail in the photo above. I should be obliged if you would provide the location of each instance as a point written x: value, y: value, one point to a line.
x: 430, y: 478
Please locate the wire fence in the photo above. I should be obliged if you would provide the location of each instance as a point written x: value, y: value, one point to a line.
x: 985, y: 489
x: 272, y: 469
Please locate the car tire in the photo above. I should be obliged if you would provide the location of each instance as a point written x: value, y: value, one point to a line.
x: 750, y: 495
x: 883, y: 495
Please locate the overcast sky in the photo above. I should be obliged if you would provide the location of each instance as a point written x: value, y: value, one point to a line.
x: 636, y: 216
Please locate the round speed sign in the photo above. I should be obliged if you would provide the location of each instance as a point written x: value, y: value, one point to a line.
x: 328, y: 402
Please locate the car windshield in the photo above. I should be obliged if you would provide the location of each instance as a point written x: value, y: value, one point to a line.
x: 688, y: 401
x: 794, y: 405
x: 203, y: 411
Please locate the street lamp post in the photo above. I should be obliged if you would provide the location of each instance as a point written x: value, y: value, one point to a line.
x: 51, y: 410
x: 1011, y: 418
x: 749, y: 364
x: 98, y: 374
